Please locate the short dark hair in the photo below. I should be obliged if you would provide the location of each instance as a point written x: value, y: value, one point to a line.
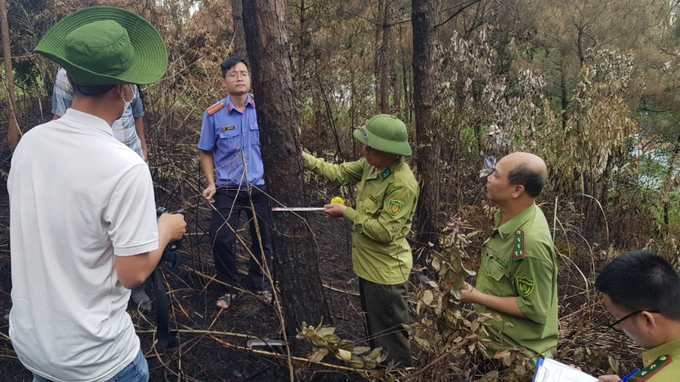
x: 231, y: 62
x: 532, y: 181
x: 92, y: 90
x: 642, y: 280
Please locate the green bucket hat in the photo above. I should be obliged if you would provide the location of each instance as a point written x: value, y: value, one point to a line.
x: 384, y: 132
x: 106, y: 46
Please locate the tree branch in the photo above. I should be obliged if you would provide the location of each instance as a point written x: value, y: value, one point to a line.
x: 441, y: 357
x: 463, y: 6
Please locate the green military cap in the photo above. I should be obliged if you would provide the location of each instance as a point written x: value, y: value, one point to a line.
x: 384, y: 132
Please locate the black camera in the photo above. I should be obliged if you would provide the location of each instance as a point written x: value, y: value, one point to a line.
x: 171, y: 258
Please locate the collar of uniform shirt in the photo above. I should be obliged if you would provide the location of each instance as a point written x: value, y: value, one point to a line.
x: 508, y: 229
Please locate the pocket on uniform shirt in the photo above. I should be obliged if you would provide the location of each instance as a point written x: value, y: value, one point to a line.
x: 500, y: 284
x: 370, y: 208
x: 494, y: 270
x: 229, y: 139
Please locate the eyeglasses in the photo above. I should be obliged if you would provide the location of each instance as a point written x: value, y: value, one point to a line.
x: 363, y: 132
x: 235, y: 75
x: 616, y: 324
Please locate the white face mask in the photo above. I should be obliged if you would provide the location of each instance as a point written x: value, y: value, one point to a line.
x: 127, y: 103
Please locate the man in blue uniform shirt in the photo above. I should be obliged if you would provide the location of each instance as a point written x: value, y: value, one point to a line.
x: 232, y: 164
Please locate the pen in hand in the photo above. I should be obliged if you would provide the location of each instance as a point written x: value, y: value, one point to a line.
x: 625, y: 378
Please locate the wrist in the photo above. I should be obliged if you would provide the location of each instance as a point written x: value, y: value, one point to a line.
x: 164, y: 236
x: 478, y: 297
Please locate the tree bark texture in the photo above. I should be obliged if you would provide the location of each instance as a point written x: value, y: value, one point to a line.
x: 394, y: 81
x: 563, y: 95
x: 423, y: 13
x: 408, y: 115
x: 296, y: 261
x: 379, y: 59
x: 239, y: 41
x: 13, y: 130
x: 385, y: 60
x: 304, y: 47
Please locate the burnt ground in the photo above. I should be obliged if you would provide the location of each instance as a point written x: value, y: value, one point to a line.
x: 212, y: 342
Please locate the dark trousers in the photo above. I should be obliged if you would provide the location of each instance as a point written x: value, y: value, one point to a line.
x: 386, y: 309
x: 229, y: 202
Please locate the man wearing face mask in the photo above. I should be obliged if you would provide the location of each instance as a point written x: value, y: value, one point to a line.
x: 82, y: 208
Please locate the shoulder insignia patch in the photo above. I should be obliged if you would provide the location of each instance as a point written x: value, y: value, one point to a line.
x: 651, y: 369
x: 214, y: 108
x: 395, y: 207
x: 524, y: 285
x: 385, y: 173
x: 518, y: 248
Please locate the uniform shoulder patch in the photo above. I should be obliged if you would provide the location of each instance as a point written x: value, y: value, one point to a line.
x: 395, y: 207
x: 524, y: 285
x: 214, y: 108
x: 518, y: 248
x: 651, y: 369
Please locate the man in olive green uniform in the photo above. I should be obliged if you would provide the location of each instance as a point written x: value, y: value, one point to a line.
x: 387, y: 193
x: 517, y: 278
x: 641, y: 291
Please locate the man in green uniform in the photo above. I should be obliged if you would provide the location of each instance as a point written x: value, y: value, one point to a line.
x: 387, y: 193
x: 641, y: 291
x: 517, y: 278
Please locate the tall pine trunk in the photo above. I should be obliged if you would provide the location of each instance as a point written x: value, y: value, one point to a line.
x: 427, y: 156
x: 13, y: 129
x: 239, y: 39
x: 296, y: 261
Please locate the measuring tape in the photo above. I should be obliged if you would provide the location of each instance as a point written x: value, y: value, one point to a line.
x: 297, y: 208
x: 335, y: 199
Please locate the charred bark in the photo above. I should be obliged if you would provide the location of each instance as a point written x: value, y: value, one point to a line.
x: 13, y: 129
x: 385, y: 63
x: 394, y: 81
x: 295, y: 258
x: 239, y: 40
x: 427, y: 152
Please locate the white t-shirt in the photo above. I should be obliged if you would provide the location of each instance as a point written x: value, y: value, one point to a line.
x: 77, y: 197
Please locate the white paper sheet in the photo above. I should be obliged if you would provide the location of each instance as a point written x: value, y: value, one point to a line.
x: 549, y: 370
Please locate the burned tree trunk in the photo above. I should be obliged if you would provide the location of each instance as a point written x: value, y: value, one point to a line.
x: 424, y: 39
x: 13, y: 129
x: 394, y: 78
x: 239, y: 40
x: 383, y: 57
x: 295, y: 258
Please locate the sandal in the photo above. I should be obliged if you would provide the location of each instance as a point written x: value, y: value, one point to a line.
x: 265, y: 295
x: 225, y: 301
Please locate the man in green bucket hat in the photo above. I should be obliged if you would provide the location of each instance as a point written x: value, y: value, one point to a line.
x: 82, y: 208
x: 387, y: 194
